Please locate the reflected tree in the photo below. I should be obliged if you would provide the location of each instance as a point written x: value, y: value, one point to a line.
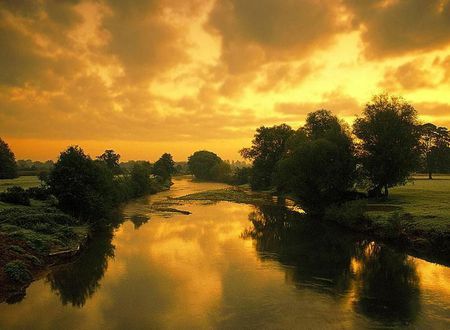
x: 318, y: 256
x: 388, y: 286
x: 77, y: 282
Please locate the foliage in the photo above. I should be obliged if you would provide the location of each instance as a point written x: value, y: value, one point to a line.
x: 111, y: 160
x: 388, y: 137
x: 41, y: 193
x: 321, y: 168
x: 435, y: 148
x: 206, y: 165
x: 84, y: 187
x: 15, y: 195
x: 242, y: 175
x: 8, y: 167
x: 17, y: 271
x: 140, y: 179
x: 164, y: 167
x: 268, y: 147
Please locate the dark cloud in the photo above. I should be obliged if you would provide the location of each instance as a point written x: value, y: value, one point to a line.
x: 408, y: 76
x: 396, y: 27
x: 254, y: 32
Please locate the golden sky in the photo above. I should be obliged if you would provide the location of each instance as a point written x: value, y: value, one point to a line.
x: 147, y: 77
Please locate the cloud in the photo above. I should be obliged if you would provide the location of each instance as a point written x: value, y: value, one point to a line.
x: 398, y: 27
x: 335, y: 101
x: 409, y: 76
x: 254, y: 32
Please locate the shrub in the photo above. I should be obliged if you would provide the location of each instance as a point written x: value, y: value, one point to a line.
x: 39, y: 193
x: 17, y: 271
x: 15, y: 195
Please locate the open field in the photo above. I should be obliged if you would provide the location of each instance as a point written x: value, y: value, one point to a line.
x: 22, y: 181
x: 426, y: 201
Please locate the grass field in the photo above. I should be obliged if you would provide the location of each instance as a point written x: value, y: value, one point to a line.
x: 22, y: 181
x: 427, y: 201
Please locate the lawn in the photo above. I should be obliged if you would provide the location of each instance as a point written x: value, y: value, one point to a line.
x: 427, y: 201
x: 22, y: 181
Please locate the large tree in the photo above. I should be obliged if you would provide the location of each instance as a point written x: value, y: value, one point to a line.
x: 84, y: 187
x: 164, y: 167
x: 268, y: 147
x: 8, y: 167
x: 111, y: 159
x: 320, y: 169
x: 206, y: 165
x: 389, y: 141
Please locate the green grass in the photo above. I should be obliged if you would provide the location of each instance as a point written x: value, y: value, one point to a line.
x: 426, y: 204
x: 236, y: 194
x: 22, y: 181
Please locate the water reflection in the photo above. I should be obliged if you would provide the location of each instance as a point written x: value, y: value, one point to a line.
x: 383, y: 283
x: 76, y: 282
x: 197, y: 272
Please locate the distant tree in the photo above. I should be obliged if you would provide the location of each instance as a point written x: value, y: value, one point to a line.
x: 140, y: 179
x: 206, y: 165
x: 268, y: 147
x: 435, y: 146
x: 111, y: 159
x: 164, y: 167
x: 8, y: 167
x: 83, y: 187
x: 221, y: 172
x: 389, y: 141
x: 321, y: 168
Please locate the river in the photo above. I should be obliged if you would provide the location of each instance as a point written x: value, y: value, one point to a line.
x: 233, y: 266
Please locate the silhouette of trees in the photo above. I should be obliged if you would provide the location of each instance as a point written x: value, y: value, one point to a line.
x: 164, y: 167
x: 268, y: 147
x: 321, y: 168
x: 389, y: 140
x: 206, y: 165
x: 84, y: 187
x: 435, y: 145
x: 8, y: 167
x: 111, y: 159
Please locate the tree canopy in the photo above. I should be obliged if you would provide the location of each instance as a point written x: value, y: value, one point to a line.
x: 206, y: 165
x: 164, y: 167
x: 8, y: 167
x: 111, y: 159
x: 268, y: 147
x: 388, y: 141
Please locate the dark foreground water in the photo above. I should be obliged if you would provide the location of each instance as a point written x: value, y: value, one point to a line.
x: 233, y: 266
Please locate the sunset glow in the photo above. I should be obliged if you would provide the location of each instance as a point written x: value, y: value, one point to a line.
x: 146, y: 77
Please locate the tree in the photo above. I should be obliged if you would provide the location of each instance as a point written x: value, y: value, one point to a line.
x: 435, y: 142
x: 8, y: 167
x: 321, y: 168
x: 268, y: 147
x: 111, y: 160
x: 389, y: 141
x: 84, y: 187
x: 140, y: 179
x: 206, y: 165
x: 164, y: 167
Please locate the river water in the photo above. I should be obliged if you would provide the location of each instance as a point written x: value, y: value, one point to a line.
x: 233, y: 266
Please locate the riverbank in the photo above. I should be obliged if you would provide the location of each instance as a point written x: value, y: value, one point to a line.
x: 416, y: 217
x: 37, y: 236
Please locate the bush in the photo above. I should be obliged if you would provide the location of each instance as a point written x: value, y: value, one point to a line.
x: 39, y: 193
x: 17, y: 271
x: 15, y: 195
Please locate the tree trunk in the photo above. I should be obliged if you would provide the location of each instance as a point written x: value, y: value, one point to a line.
x: 430, y: 175
x: 386, y: 192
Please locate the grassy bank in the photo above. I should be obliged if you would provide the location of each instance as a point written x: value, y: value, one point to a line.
x: 22, y: 181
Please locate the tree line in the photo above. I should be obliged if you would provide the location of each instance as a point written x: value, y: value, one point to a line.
x: 325, y: 161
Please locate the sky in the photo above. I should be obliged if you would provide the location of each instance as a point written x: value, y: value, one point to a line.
x: 148, y: 77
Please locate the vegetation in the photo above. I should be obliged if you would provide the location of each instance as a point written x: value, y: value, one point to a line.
x: 111, y: 159
x: 8, y: 167
x: 164, y: 167
x: 435, y: 145
x: 389, y: 141
x: 206, y: 165
x: 268, y: 147
x: 15, y: 195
